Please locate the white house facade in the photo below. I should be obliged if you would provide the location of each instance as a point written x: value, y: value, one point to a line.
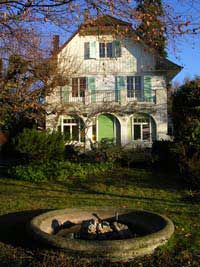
x: 117, y: 87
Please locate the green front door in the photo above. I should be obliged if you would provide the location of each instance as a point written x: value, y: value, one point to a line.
x: 109, y: 128
x: 106, y: 127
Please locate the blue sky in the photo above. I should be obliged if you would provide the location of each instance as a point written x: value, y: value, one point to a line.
x: 187, y: 48
x: 188, y: 57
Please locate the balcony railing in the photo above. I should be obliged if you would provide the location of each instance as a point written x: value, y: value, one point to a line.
x: 140, y: 96
x: 100, y: 96
x: 105, y: 96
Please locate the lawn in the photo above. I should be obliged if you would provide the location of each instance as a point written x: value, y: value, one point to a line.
x: 132, y: 188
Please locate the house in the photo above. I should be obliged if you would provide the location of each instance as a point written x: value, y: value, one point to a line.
x: 116, y: 86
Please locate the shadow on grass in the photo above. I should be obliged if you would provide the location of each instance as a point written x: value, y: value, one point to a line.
x: 13, y: 228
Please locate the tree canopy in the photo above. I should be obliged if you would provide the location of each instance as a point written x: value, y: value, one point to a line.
x: 20, y: 21
x: 152, y: 28
x: 24, y: 85
x: 186, y: 113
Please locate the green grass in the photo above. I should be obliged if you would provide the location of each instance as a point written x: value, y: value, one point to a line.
x: 131, y: 188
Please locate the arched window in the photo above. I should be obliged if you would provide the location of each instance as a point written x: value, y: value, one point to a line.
x: 143, y: 128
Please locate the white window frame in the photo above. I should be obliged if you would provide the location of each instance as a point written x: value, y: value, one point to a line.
x: 71, y: 124
x: 134, y: 97
x: 141, y: 128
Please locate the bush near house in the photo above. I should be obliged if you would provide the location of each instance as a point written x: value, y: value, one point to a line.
x: 46, y: 152
x: 50, y: 159
x: 162, y: 155
x: 186, y: 119
x: 40, y: 146
x: 183, y: 155
x: 178, y: 157
x: 57, y: 171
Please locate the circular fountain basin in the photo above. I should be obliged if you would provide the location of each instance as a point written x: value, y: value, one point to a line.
x: 153, y: 230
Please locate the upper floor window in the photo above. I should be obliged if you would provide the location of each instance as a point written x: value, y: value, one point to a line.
x: 79, y: 86
x: 105, y: 50
x: 90, y: 50
x: 110, y: 49
x: 134, y: 87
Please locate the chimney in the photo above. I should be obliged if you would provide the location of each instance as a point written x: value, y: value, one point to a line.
x: 55, y: 43
x: 86, y: 15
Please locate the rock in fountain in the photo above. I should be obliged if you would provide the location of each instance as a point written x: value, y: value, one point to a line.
x: 103, y: 230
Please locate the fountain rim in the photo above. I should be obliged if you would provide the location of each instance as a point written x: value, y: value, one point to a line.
x: 61, y: 242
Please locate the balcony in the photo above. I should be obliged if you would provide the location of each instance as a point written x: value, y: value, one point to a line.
x: 122, y: 97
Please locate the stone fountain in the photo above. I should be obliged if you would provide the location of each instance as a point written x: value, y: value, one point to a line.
x: 103, y: 233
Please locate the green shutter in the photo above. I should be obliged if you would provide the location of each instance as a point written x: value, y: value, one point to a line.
x: 92, y: 88
x: 119, y: 84
x: 86, y: 50
x: 116, y: 49
x: 93, y: 49
x: 147, y: 88
x: 65, y: 93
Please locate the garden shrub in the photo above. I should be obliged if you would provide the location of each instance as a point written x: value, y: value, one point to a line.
x: 187, y: 159
x: 135, y: 157
x: 180, y: 157
x: 163, y: 155
x: 28, y: 173
x: 40, y: 146
x: 186, y: 120
x: 193, y: 171
x: 186, y: 113
x: 57, y: 170
x: 104, y: 151
x: 72, y: 153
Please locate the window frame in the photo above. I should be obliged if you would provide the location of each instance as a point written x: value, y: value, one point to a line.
x: 141, y: 124
x: 107, y: 49
x: 81, y: 88
x: 72, y: 122
x: 86, y: 50
x: 134, y: 92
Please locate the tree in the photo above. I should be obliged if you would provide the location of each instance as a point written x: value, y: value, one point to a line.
x: 152, y: 28
x: 186, y: 119
x: 19, y: 20
x: 186, y: 113
x: 24, y: 85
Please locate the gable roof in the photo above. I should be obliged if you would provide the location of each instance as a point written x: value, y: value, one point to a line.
x: 106, y: 20
x: 105, y: 24
x: 94, y: 26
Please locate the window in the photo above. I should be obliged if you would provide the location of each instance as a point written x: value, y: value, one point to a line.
x: 102, y: 50
x: 90, y: 50
x: 105, y: 50
x: 79, y: 86
x: 134, y: 87
x: 110, y: 50
x: 72, y: 128
x: 141, y: 128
